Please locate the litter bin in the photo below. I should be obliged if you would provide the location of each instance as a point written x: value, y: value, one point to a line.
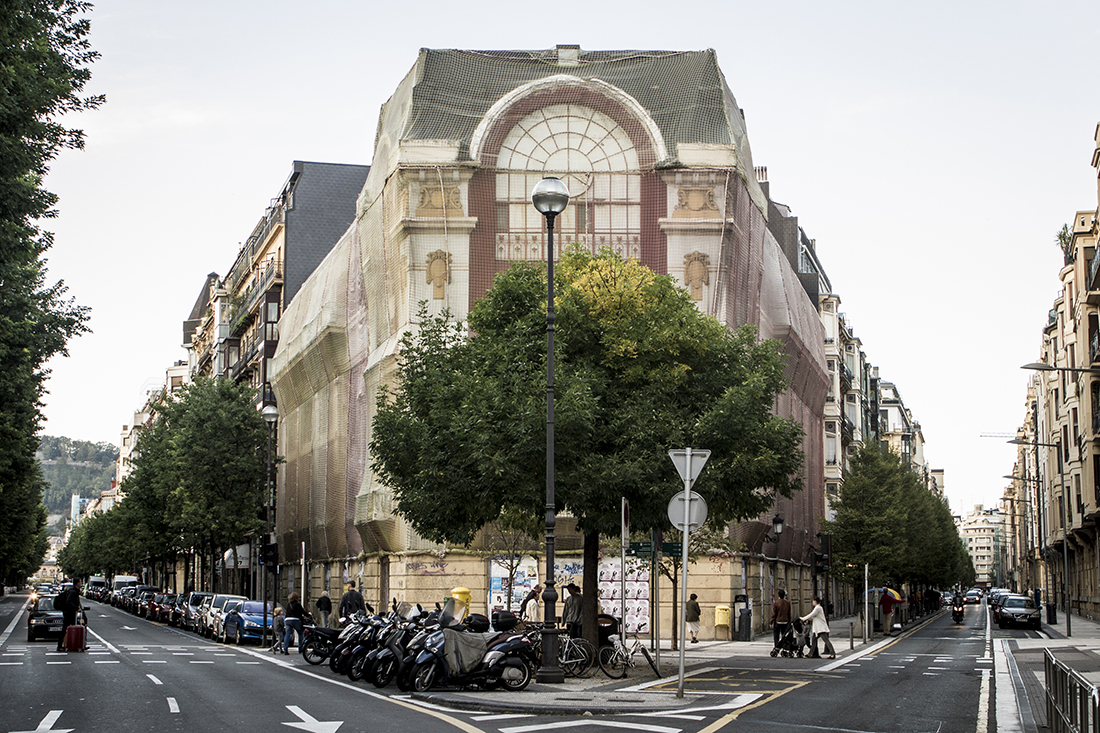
x: 1052, y: 613
x: 744, y: 625
x: 606, y: 625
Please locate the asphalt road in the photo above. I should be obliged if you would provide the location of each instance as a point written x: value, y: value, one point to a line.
x: 141, y: 676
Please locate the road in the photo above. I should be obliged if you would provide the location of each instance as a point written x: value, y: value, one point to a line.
x: 141, y: 676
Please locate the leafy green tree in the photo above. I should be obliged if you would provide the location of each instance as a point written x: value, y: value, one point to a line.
x: 44, y: 54
x: 638, y: 371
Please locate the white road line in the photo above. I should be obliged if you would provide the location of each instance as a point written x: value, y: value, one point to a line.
x: 154, y: 679
x: 579, y: 723
x: 500, y: 716
x: 983, y: 704
x: 173, y: 706
x: 14, y: 622
x: 107, y: 661
x: 11, y: 664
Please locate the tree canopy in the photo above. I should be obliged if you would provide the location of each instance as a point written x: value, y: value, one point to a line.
x: 44, y: 58
x: 197, y: 483
x: 885, y: 517
x: 639, y: 371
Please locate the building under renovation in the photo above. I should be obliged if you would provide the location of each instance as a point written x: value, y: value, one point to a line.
x: 654, y: 150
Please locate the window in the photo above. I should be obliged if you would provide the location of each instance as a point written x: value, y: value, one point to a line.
x: 597, y: 160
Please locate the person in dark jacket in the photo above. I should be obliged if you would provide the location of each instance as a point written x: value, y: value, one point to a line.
x: 324, y: 607
x: 781, y: 615
x: 295, y: 612
x: 571, y: 610
x: 692, y: 614
x: 68, y: 602
x: 351, y: 602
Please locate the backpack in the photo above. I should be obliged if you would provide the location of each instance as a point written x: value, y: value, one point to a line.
x: 59, y: 602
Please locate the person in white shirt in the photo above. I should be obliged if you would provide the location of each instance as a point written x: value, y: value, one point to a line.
x: 819, y: 628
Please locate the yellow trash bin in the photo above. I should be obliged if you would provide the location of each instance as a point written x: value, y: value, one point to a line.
x: 462, y: 595
x: 721, y: 618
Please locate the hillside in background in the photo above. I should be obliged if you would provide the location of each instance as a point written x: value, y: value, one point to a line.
x: 74, y: 467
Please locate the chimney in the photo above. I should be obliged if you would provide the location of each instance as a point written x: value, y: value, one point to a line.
x: 569, y: 55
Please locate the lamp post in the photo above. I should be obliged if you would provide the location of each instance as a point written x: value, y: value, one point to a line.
x: 271, y: 416
x: 550, y: 197
x: 1057, y: 444
x: 777, y: 527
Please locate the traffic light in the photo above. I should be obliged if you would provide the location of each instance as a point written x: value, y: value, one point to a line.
x: 821, y: 563
x: 270, y: 556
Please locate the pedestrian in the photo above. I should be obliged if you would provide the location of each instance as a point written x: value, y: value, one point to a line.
x: 68, y: 602
x: 692, y: 613
x: 529, y: 607
x: 571, y: 611
x: 886, y: 602
x: 294, y: 614
x: 278, y: 625
x: 351, y: 601
x: 781, y: 616
x: 820, y: 629
x: 324, y: 607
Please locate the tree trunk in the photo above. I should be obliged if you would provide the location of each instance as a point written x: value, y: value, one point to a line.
x: 590, y: 589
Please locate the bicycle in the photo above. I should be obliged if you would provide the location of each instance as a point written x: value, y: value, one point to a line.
x: 615, y: 659
x: 576, y: 657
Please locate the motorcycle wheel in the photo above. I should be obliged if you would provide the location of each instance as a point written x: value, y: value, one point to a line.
x: 313, y: 653
x: 519, y: 683
x: 357, y: 666
x: 334, y: 660
x: 424, y: 677
x: 384, y: 672
x: 404, y: 677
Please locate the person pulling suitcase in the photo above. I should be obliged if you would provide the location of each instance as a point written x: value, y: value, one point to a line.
x: 68, y: 602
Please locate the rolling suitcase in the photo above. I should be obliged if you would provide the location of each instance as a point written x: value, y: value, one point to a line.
x: 74, y: 638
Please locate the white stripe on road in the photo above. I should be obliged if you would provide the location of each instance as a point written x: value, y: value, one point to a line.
x: 173, y: 706
x: 154, y: 679
x: 579, y: 723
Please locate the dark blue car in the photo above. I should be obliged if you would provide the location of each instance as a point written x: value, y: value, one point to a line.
x: 244, y: 620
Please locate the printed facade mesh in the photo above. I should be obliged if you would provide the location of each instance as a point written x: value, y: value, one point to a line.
x: 653, y: 149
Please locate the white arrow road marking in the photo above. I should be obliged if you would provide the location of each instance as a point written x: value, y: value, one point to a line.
x: 578, y: 723
x: 311, y: 724
x: 47, y: 724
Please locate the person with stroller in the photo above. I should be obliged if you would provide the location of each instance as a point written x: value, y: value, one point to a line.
x: 819, y: 629
x: 781, y: 616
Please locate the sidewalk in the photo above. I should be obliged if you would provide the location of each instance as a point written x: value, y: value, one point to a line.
x: 601, y: 695
x: 1080, y: 652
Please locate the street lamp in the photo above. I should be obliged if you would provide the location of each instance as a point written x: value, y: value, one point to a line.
x: 550, y: 197
x: 777, y: 527
x: 271, y: 416
x: 1057, y: 444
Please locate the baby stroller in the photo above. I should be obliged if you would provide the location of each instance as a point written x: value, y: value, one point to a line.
x: 792, y: 641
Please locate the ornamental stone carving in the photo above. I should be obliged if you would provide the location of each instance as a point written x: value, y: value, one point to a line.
x: 439, y: 272
x: 696, y: 273
x: 695, y: 202
x: 439, y: 202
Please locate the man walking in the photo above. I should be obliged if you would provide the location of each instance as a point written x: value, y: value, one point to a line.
x: 351, y: 601
x: 887, y: 604
x: 68, y: 602
x: 781, y: 616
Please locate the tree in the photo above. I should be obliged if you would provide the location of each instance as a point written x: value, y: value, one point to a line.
x: 639, y: 370
x: 886, y: 518
x: 44, y: 55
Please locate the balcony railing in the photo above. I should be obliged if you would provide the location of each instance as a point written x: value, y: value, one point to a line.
x: 264, y: 280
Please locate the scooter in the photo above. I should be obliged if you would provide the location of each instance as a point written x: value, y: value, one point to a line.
x: 957, y: 612
x: 485, y: 659
x: 318, y: 643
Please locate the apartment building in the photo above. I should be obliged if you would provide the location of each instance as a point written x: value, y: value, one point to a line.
x: 232, y: 330
x: 982, y: 532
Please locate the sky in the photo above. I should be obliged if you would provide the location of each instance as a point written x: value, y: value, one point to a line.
x: 931, y: 149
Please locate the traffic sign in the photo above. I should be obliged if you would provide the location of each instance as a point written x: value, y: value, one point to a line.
x: 672, y: 548
x: 696, y: 511
x: 680, y: 460
x: 640, y: 548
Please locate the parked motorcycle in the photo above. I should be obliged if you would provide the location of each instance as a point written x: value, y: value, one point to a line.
x: 318, y: 643
x: 466, y: 655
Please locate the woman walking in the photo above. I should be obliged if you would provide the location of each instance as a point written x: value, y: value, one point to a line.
x: 294, y: 614
x: 819, y: 629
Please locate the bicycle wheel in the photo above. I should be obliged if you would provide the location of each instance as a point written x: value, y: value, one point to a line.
x: 652, y: 664
x: 591, y: 665
x: 612, y: 662
x: 571, y: 658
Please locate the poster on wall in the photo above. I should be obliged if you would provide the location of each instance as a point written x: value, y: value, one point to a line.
x: 524, y: 579
x: 636, y: 602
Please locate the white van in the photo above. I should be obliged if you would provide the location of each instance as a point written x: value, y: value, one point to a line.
x: 96, y: 587
x: 120, y: 582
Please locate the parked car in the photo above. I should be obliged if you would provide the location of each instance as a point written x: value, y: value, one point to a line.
x: 95, y: 588
x: 136, y: 602
x: 177, y: 610
x: 192, y: 613
x: 146, y: 605
x: 1020, y: 610
x: 43, y: 620
x: 244, y: 621
x: 212, y: 611
x: 162, y: 609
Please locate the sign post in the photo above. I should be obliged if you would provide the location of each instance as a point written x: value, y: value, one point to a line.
x: 686, y: 511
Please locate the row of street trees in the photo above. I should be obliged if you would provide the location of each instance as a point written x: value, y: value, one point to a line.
x: 196, y: 486
x: 44, y: 58
x: 887, y: 519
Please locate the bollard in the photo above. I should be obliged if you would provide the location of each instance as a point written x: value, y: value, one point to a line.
x: 851, y: 635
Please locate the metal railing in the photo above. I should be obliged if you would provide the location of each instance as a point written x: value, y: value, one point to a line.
x: 1073, y: 704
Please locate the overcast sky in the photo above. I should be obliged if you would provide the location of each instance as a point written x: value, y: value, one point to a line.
x: 932, y: 152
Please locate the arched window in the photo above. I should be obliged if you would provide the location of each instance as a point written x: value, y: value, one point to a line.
x: 596, y: 158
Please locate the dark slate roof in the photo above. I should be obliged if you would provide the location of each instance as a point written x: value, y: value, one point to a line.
x: 684, y: 91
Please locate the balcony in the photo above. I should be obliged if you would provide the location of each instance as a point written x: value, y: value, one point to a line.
x: 1094, y: 346
x: 845, y: 378
x: 1093, y: 294
x: 270, y: 276
x: 849, y: 428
